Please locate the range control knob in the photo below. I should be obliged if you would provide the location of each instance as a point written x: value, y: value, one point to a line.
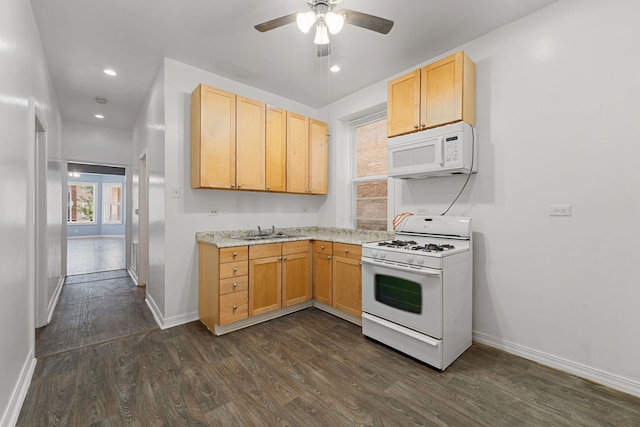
x: 420, y: 260
x: 374, y: 253
x: 410, y: 259
x: 383, y: 255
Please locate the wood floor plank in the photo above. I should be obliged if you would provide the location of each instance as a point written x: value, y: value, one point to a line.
x: 305, y: 369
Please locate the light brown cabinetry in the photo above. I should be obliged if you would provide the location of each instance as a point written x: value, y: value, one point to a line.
x: 279, y: 276
x: 437, y: 94
x: 276, y: 149
x: 323, y: 272
x: 307, y: 155
x: 227, y: 140
x: 347, y: 280
x: 223, y: 285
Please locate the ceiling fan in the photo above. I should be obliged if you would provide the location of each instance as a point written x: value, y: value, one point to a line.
x: 327, y: 21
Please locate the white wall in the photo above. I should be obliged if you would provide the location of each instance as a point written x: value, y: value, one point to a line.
x: 557, y: 108
x: 24, y: 76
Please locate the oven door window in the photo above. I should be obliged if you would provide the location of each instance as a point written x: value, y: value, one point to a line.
x: 399, y: 293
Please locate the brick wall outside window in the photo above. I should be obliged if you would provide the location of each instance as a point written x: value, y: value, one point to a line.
x: 371, y: 161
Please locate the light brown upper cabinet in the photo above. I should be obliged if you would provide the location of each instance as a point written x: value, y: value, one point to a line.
x: 276, y: 149
x: 307, y: 155
x: 227, y: 140
x: 437, y: 94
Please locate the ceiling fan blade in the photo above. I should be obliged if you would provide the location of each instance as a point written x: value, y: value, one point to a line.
x: 275, y: 23
x: 324, y: 49
x: 364, y: 20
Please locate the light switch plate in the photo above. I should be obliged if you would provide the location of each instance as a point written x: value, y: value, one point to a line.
x: 559, y: 210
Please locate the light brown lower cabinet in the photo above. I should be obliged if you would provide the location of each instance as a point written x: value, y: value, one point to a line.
x: 347, y: 279
x: 244, y: 281
x: 279, y: 276
x: 223, y: 285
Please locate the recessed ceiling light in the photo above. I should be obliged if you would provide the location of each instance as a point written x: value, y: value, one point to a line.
x: 98, y: 116
x: 335, y: 68
x: 110, y: 72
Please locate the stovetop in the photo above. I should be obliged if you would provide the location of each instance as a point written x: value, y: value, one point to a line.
x: 412, y: 245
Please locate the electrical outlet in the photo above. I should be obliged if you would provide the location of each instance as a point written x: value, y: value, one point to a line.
x: 214, y: 212
x: 559, y: 210
x: 423, y: 211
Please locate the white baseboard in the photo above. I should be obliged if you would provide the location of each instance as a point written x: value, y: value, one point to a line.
x: 133, y: 275
x: 12, y: 412
x: 169, y: 322
x: 54, y: 301
x: 596, y: 375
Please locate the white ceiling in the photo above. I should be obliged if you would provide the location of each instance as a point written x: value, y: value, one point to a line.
x: 82, y: 37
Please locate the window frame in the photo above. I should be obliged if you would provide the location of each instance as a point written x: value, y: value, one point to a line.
x: 106, y: 202
x: 94, y: 221
x: 353, y: 125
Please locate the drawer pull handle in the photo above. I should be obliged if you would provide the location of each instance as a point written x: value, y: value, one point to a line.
x: 235, y: 307
x: 346, y: 251
x: 235, y: 254
x: 235, y: 269
x: 235, y: 285
x: 329, y: 257
x: 322, y: 247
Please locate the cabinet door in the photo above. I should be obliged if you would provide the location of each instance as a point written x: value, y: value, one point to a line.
x: 250, y: 144
x: 297, y: 153
x: 276, y: 149
x: 318, y: 156
x: 213, y: 138
x: 323, y: 278
x: 264, y: 285
x: 442, y: 91
x: 347, y: 285
x: 403, y: 104
x: 296, y: 279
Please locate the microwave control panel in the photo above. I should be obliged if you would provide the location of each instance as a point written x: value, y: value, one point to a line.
x: 451, y: 149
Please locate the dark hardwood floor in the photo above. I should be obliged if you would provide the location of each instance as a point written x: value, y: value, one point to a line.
x: 305, y: 369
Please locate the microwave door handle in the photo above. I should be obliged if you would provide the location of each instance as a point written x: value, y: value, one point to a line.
x: 442, y: 151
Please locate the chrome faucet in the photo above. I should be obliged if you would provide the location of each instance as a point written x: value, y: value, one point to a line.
x: 259, y: 231
x: 273, y: 229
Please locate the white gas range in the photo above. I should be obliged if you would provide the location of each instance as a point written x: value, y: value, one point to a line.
x: 416, y: 289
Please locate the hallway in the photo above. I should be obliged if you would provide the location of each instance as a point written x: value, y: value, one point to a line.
x: 92, y: 254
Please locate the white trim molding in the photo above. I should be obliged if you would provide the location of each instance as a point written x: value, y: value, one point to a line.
x: 12, y: 412
x: 54, y: 301
x: 170, y: 322
x: 617, y: 382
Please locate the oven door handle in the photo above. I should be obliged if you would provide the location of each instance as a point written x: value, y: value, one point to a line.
x: 417, y: 270
x: 405, y: 331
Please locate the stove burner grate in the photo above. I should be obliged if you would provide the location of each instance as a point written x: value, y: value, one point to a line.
x: 431, y: 247
x: 398, y: 243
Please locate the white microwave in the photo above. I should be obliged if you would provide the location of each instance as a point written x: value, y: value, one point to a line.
x: 441, y: 151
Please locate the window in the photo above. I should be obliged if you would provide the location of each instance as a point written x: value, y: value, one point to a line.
x: 81, y: 204
x: 370, y: 174
x: 112, y: 203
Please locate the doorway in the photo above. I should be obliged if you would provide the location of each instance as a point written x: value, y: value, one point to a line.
x: 96, y: 219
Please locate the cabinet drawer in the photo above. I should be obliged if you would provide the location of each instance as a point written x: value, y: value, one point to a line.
x: 236, y: 253
x: 233, y: 307
x: 347, y: 251
x: 264, y: 251
x: 234, y: 284
x: 234, y: 269
x: 289, y: 248
x: 323, y: 247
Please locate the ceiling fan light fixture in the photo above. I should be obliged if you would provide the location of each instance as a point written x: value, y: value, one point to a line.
x: 322, y: 35
x: 334, y: 21
x: 305, y: 21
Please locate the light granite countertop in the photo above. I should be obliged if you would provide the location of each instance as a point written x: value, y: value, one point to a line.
x: 225, y: 239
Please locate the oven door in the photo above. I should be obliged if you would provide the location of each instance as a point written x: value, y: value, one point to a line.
x: 408, y: 296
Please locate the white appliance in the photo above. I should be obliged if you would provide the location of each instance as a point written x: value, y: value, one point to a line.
x: 416, y: 289
x: 441, y: 151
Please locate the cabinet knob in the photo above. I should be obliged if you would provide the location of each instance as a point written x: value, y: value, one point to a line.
x: 360, y: 263
x: 239, y: 185
x: 268, y: 187
x: 235, y: 254
x: 346, y: 251
x: 284, y: 258
x: 322, y: 247
x: 235, y: 285
x: 422, y: 125
x: 235, y: 269
x: 235, y: 307
x: 329, y: 257
x: 415, y: 126
x: 233, y: 186
x: 311, y: 190
x: 280, y: 258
